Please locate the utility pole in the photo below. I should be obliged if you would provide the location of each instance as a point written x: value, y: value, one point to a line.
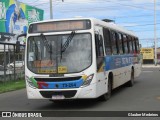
x: 51, y: 10
x: 155, y: 37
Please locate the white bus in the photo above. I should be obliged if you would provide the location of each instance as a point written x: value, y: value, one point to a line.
x: 79, y: 58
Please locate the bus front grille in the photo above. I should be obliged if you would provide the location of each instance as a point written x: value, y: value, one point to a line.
x: 67, y: 94
x: 57, y: 79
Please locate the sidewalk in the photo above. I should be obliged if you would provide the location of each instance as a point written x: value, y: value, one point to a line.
x: 150, y: 66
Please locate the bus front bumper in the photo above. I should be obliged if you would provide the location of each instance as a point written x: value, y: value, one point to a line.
x: 76, y: 93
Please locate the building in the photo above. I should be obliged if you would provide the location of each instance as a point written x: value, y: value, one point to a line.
x: 148, y: 55
x: 14, y: 20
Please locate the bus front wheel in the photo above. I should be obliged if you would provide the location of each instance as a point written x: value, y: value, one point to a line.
x: 107, y: 95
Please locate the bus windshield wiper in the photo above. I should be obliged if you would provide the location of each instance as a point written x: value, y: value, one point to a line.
x: 36, y: 49
x: 68, y: 41
x: 46, y: 43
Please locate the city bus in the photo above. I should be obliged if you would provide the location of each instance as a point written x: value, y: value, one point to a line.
x: 79, y: 58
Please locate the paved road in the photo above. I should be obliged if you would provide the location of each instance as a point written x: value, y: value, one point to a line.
x: 143, y: 96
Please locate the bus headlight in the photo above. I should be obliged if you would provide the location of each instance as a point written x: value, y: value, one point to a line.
x: 32, y: 83
x: 88, y: 80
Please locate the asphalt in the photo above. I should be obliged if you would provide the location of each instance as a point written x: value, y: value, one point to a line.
x: 143, y: 96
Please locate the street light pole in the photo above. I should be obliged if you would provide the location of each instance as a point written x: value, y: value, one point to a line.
x: 51, y: 10
x: 155, y: 37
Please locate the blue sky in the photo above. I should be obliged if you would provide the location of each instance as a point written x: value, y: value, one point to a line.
x: 135, y: 15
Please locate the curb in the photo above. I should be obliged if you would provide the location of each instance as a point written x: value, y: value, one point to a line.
x: 150, y: 66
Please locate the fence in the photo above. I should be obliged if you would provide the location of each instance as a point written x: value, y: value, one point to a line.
x: 11, y: 63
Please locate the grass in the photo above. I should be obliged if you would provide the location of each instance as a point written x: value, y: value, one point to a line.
x: 11, y: 86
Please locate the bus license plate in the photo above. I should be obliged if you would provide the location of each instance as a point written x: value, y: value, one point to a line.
x: 69, y: 85
x: 58, y: 97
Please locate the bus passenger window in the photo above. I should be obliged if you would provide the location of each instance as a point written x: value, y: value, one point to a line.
x: 135, y: 45
x: 114, y: 43
x: 120, y: 43
x: 138, y: 49
x: 99, y: 46
x: 130, y: 44
x: 99, y: 51
x: 125, y: 43
x: 107, y: 41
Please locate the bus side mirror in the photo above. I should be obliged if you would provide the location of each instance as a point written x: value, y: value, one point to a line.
x: 18, y: 42
x: 140, y: 46
x: 17, y: 47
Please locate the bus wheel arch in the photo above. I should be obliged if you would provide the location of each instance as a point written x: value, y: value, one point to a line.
x: 130, y: 83
x: 110, y: 83
x: 107, y: 95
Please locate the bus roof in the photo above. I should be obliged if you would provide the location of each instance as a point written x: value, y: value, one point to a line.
x: 109, y: 25
x: 114, y: 26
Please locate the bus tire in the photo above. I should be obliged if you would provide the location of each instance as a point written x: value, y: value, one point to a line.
x: 107, y: 95
x: 131, y: 82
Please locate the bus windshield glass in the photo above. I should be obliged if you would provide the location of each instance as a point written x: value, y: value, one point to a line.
x: 64, y: 54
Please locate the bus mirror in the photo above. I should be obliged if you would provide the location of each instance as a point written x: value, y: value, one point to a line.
x: 18, y: 42
x: 21, y: 35
x: 140, y: 46
x: 17, y: 47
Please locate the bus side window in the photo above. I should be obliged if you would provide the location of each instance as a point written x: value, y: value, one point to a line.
x: 120, y: 43
x: 117, y: 43
x: 135, y: 45
x: 99, y: 46
x: 114, y: 43
x: 107, y: 41
x: 132, y: 43
x: 125, y: 44
x: 99, y: 51
x: 128, y: 44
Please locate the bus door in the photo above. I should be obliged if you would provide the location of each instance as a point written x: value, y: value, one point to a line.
x: 100, y: 60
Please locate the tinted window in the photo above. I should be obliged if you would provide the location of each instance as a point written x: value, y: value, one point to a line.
x: 120, y: 43
x: 129, y: 44
x: 125, y: 43
x: 114, y: 43
x: 137, y: 43
x: 134, y: 45
x: 107, y: 41
x: 99, y: 51
x: 99, y: 45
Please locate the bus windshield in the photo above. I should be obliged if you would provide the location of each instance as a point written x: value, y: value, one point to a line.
x: 64, y: 54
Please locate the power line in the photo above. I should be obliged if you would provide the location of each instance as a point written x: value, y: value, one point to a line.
x: 141, y: 25
x: 144, y: 30
x: 139, y: 7
x: 140, y: 21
